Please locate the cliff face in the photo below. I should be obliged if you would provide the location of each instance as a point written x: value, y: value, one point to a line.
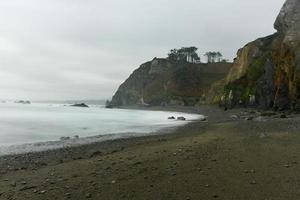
x: 160, y: 82
x: 266, y: 72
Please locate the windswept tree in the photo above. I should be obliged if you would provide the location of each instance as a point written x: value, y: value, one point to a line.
x: 213, y: 56
x: 173, y: 55
x: 195, y: 58
x: 208, y: 55
x: 219, y: 56
x: 185, y: 54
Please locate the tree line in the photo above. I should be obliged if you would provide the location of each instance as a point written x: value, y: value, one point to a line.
x: 185, y: 54
x: 190, y: 55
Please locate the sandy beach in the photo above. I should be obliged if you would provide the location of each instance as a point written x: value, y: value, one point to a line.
x: 237, y: 154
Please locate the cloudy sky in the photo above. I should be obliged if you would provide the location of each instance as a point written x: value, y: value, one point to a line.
x: 83, y: 49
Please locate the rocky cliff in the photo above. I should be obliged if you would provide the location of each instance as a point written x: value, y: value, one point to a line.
x: 266, y: 72
x: 161, y: 82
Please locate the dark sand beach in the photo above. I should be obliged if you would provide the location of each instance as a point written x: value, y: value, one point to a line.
x: 237, y: 154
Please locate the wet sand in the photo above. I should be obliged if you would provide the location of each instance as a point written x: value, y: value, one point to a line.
x: 234, y: 155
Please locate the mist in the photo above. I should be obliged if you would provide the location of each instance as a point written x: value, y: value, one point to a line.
x: 61, y: 50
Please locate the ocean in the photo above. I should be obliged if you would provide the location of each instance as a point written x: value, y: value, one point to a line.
x: 39, y: 126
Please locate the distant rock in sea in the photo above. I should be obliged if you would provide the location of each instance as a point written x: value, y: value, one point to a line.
x: 23, y: 102
x: 83, y: 105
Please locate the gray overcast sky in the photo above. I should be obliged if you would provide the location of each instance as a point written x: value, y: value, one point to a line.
x: 83, y: 49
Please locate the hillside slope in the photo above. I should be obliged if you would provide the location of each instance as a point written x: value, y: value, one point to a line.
x: 161, y: 82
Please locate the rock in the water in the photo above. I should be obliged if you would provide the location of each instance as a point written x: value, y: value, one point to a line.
x: 23, y: 102
x: 181, y: 118
x: 64, y: 138
x: 203, y: 119
x: 83, y: 105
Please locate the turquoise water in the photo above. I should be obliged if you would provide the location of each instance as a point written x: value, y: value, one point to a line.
x: 20, y: 124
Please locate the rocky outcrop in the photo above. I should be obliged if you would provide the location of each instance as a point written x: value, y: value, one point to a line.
x: 266, y: 72
x: 161, y: 82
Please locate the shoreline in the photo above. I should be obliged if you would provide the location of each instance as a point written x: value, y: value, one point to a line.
x: 90, y: 145
x: 70, y: 142
x: 78, y: 150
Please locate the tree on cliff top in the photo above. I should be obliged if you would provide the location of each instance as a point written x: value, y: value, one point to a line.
x: 213, y: 57
x: 185, y: 54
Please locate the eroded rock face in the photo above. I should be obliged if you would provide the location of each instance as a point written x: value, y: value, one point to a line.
x: 265, y: 92
x: 288, y: 18
x: 246, y: 56
x: 287, y: 55
x: 269, y: 68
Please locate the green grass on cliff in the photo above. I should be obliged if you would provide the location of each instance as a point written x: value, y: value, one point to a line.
x: 257, y: 68
x: 247, y: 85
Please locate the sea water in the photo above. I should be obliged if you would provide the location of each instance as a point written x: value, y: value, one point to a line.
x: 31, y: 127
